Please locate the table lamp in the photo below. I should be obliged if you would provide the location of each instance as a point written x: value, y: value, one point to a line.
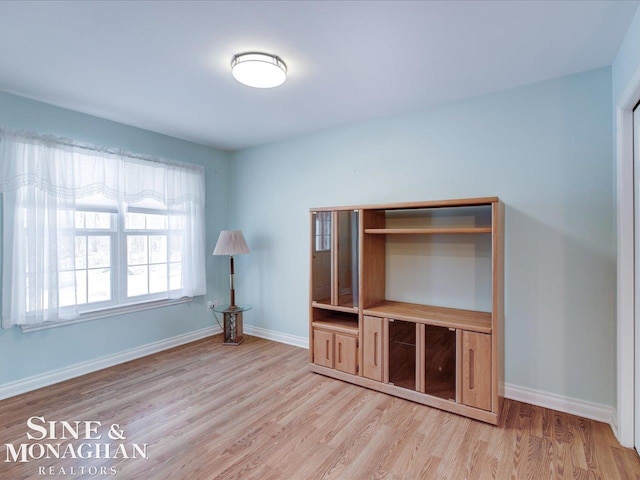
x: 231, y: 242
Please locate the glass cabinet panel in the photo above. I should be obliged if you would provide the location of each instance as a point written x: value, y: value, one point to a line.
x: 402, y: 354
x: 440, y: 362
x: 347, y: 258
x: 321, y: 265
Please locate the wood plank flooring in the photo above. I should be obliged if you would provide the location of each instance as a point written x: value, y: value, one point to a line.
x: 207, y: 411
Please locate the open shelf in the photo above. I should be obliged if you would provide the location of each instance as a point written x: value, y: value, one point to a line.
x: 336, y: 321
x: 427, y: 231
x: 335, y: 308
x: 439, y: 316
x: 339, y: 325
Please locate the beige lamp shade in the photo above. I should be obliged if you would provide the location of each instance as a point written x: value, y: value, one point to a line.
x: 231, y: 242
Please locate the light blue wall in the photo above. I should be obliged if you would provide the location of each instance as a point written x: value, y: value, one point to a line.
x: 627, y: 60
x: 24, y: 355
x: 544, y: 149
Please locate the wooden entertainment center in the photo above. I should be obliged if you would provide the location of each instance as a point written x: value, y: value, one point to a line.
x: 360, y: 332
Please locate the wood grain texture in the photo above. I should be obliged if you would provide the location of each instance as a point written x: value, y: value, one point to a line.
x: 372, y: 265
x: 497, y: 311
x: 427, y: 231
x: 346, y: 353
x: 336, y: 308
x: 476, y: 370
x: 256, y: 413
x: 458, y: 202
x: 372, y: 344
x: 337, y: 325
x: 323, y: 348
x: 431, y: 315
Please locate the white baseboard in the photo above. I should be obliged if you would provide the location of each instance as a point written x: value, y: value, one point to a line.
x: 614, y: 427
x: 302, y: 342
x: 593, y: 411
x: 60, y: 375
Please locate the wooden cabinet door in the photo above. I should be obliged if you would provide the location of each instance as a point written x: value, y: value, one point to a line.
x: 346, y: 353
x: 372, y: 358
x: 476, y: 370
x: 323, y: 348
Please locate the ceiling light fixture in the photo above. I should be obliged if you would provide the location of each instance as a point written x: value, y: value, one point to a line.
x: 259, y: 70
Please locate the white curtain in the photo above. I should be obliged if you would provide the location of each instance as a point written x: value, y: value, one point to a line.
x: 42, y: 178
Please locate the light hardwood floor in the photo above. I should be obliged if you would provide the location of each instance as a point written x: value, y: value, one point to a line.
x: 255, y: 412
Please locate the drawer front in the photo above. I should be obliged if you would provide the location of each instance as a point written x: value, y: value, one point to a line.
x: 323, y: 348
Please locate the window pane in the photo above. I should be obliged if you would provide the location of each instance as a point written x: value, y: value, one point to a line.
x: 99, y: 288
x: 137, y: 250
x: 156, y: 222
x: 79, y: 219
x: 137, y: 283
x: 66, y: 289
x: 66, y: 252
x: 158, y: 278
x: 175, y: 276
x: 99, y: 254
x: 81, y: 286
x: 175, y: 248
x: 158, y: 249
x: 134, y: 221
x: 98, y: 220
x: 81, y: 252
x: 176, y: 222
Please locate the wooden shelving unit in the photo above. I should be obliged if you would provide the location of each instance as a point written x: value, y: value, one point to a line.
x: 437, y: 355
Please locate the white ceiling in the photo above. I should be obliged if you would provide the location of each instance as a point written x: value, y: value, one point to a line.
x: 164, y: 66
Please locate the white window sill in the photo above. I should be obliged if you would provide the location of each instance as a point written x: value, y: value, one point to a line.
x: 107, y: 312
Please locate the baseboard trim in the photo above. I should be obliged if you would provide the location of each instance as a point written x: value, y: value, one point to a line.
x: 60, y: 375
x: 280, y: 337
x: 593, y: 411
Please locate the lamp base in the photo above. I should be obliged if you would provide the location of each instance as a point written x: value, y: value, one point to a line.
x: 233, y: 334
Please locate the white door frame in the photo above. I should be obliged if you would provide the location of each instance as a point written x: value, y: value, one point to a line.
x: 625, y: 294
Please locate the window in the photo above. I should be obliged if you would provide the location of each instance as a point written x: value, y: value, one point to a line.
x: 154, y: 253
x: 90, y: 279
x: 93, y: 229
x: 100, y: 274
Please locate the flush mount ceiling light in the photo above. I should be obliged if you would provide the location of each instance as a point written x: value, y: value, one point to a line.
x: 259, y: 70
